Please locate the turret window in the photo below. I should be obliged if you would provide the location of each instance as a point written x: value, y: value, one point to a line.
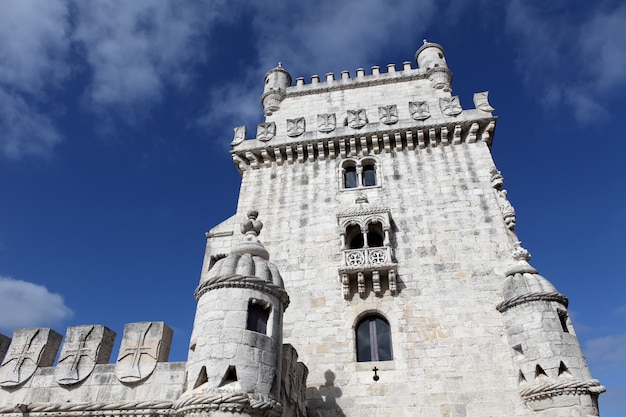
x: 373, y: 339
x: 258, y: 316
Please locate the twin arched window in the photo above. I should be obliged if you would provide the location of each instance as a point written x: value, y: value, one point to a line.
x: 373, y: 339
x: 358, y: 174
x: 373, y: 238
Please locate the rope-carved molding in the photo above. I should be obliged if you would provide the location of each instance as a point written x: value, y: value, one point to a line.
x: 552, y: 389
x: 527, y: 298
x: 232, y: 402
x: 238, y: 281
x: 136, y: 408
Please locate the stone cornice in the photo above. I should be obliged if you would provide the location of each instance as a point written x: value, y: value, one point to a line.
x: 256, y: 154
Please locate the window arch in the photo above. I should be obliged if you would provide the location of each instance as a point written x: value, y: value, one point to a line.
x: 373, y: 339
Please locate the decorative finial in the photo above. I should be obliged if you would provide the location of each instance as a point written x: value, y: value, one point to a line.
x: 251, y: 227
x: 280, y: 64
x: 519, y: 253
x: 497, y: 181
x: 425, y: 41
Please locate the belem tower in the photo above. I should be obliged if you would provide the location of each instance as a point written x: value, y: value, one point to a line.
x: 372, y: 269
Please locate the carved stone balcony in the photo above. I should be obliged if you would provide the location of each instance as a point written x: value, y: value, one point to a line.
x: 368, y: 269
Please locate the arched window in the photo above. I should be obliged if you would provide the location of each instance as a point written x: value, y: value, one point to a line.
x: 375, y: 235
x: 369, y: 174
x: 350, y: 177
x: 354, y: 237
x: 373, y: 339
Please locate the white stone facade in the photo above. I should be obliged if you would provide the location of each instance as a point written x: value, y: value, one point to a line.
x: 392, y: 242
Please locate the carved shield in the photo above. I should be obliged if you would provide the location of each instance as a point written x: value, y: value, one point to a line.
x: 143, y: 345
x: 450, y: 106
x: 357, y: 118
x: 29, y: 349
x: 295, y: 127
x: 84, y: 347
x: 266, y: 131
x: 326, y: 122
x: 419, y: 110
x: 481, y: 101
x: 240, y: 135
x: 388, y: 114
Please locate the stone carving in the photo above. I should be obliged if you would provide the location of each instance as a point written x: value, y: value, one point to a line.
x: 357, y: 118
x: 84, y: 347
x: 30, y: 349
x: 450, y: 106
x: 507, y: 210
x: 295, y: 127
x: 266, y: 131
x: 5, y: 341
x: 240, y: 135
x: 143, y: 345
x: 294, y: 375
x: 481, y: 101
x: 388, y: 114
x: 326, y: 122
x: 419, y: 110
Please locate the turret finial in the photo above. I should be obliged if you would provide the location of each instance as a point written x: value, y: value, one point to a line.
x: 251, y: 226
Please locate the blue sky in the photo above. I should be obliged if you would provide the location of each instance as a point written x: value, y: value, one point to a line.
x: 116, y: 119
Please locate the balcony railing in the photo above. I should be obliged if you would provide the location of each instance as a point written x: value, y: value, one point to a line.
x: 367, y: 257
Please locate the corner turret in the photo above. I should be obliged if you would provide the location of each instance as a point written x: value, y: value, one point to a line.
x: 431, y: 57
x: 276, y: 82
x: 553, y: 376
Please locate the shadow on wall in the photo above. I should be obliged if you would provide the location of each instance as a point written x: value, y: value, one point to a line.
x: 322, y: 401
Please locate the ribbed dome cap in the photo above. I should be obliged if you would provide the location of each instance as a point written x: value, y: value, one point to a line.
x: 249, y: 258
x: 522, y: 278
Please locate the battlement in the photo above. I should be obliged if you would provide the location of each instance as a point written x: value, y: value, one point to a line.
x: 82, y: 372
x: 360, y: 79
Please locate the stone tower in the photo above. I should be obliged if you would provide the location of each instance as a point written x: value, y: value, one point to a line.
x: 411, y: 294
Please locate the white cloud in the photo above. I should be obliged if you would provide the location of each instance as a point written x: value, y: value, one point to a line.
x: 574, y: 57
x: 24, y: 129
x: 603, y: 47
x: 33, y: 48
x: 333, y: 36
x: 24, y: 304
x: 316, y: 38
x: 608, y: 351
x: 135, y: 49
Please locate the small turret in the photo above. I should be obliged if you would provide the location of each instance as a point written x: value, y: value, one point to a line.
x: 236, y: 347
x: 276, y: 82
x: 431, y: 57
